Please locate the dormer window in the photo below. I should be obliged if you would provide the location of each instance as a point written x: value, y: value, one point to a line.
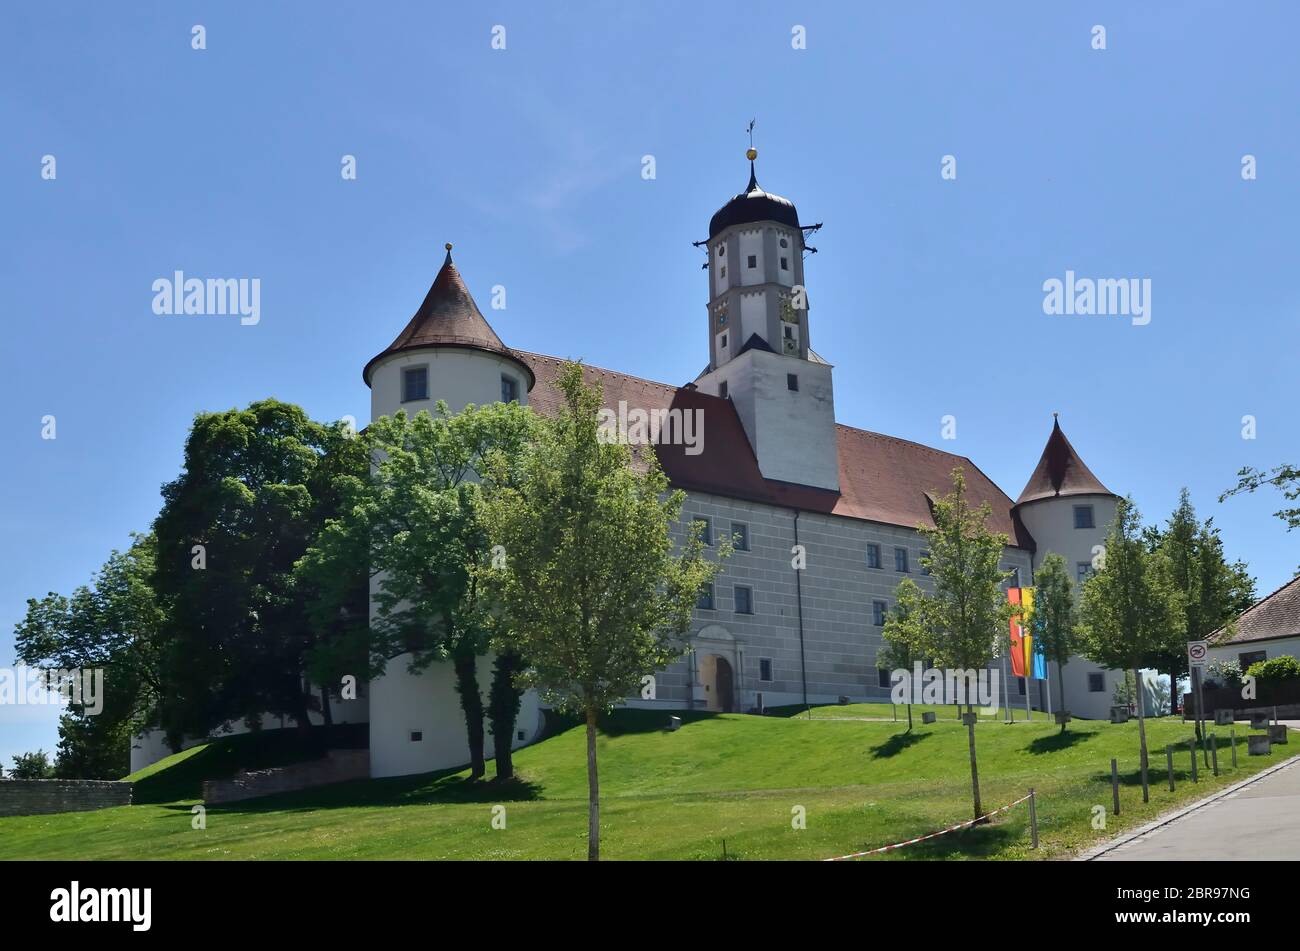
x: 415, y: 384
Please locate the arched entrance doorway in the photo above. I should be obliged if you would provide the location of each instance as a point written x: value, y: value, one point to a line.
x: 724, y: 685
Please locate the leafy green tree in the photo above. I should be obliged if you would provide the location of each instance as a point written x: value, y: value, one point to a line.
x: 1212, y: 590
x: 32, y: 766
x: 594, y: 592
x: 415, y: 522
x: 257, y: 487
x: 113, y: 624
x: 959, y: 624
x: 895, y: 653
x: 1131, y: 609
x: 1054, y: 616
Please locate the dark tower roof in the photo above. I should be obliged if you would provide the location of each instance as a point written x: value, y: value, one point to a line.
x: 448, y: 318
x: 1059, y: 472
x: 753, y: 204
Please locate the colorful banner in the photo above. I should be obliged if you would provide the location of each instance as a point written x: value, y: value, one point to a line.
x: 1026, y: 655
x: 1017, y: 637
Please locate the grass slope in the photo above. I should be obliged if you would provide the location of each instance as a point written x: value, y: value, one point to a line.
x: 678, y: 795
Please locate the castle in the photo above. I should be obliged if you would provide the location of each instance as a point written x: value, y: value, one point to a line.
x: 773, y: 469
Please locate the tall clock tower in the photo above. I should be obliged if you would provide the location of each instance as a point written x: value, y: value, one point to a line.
x: 759, y: 354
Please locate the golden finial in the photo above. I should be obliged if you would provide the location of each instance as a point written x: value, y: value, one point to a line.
x: 751, y: 153
x: 448, y: 245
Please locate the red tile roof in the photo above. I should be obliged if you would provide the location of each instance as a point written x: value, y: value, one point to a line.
x: 448, y: 317
x: 1277, y: 615
x: 882, y: 479
x: 1060, y: 471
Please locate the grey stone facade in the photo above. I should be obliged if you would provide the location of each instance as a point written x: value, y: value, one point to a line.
x: 836, y: 588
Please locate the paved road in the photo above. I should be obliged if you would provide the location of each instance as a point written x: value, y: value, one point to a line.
x: 1261, y: 821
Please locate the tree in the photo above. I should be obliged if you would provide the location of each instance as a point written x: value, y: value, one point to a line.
x: 895, y: 653
x: 415, y: 522
x: 257, y: 487
x: 959, y: 624
x: 594, y: 593
x: 1131, y: 609
x: 32, y: 766
x: 1054, y: 616
x: 112, y: 624
x: 1212, y: 590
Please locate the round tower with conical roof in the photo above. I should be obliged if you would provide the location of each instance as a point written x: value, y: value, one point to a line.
x: 1068, y: 510
x: 448, y: 352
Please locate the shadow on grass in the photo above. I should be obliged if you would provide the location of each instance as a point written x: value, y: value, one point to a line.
x: 897, y: 744
x: 982, y: 841
x: 1058, y: 741
x: 443, y: 787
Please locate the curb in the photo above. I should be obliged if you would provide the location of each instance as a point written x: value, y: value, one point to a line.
x: 1166, y: 819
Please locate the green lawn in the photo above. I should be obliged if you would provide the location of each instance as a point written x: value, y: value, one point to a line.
x: 679, y: 795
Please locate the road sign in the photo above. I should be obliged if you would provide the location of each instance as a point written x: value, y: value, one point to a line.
x: 1197, y: 652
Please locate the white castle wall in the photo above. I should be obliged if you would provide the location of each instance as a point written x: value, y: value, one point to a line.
x: 403, y: 704
x: 1051, y: 523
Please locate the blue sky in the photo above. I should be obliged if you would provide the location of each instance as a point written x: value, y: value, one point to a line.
x: 926, y: 294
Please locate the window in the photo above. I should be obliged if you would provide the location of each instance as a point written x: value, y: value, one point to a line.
x: 900, y: 559
x: 1096, y: 683
x: 925, y: 570
x: 1251, y: 657
x: 724, y: 341
x: 706, y: 531
x: 785, y: 243
x: 724, y: 271
x: 722, y: 389
x: 417, y: 736
x: 878, y: 613
x: 722, y: 249
x: 509, y: 390
x: 1083, y: 516
x: 705, y: 600
x: 873, y: 555
x: 1082, y: 570
x: 792, y: 382
x: 744, y: 600
x: 751, y: 262
x: 415, y: 384
x: 740, y: 536
x: 785, y: 264
x: 765, y: 669
x: 886, y: 678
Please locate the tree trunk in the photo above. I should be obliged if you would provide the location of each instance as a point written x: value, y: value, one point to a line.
x: 974, y: 773
x: 909, y: 718
x: 471, y: 703
x: 326, y: 713
x: 503, y: 710
x: 593, y: 791
x: 1142, y: 726
x: 1060, y: 677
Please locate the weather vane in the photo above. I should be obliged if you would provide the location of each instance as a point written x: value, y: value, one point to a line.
x: 752, y: 153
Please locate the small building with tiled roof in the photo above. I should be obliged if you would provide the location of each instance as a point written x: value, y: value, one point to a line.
x: 1268, y: 628
x: 762, y: 459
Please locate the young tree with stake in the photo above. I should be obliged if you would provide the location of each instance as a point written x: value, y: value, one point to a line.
x: 594, y: 592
